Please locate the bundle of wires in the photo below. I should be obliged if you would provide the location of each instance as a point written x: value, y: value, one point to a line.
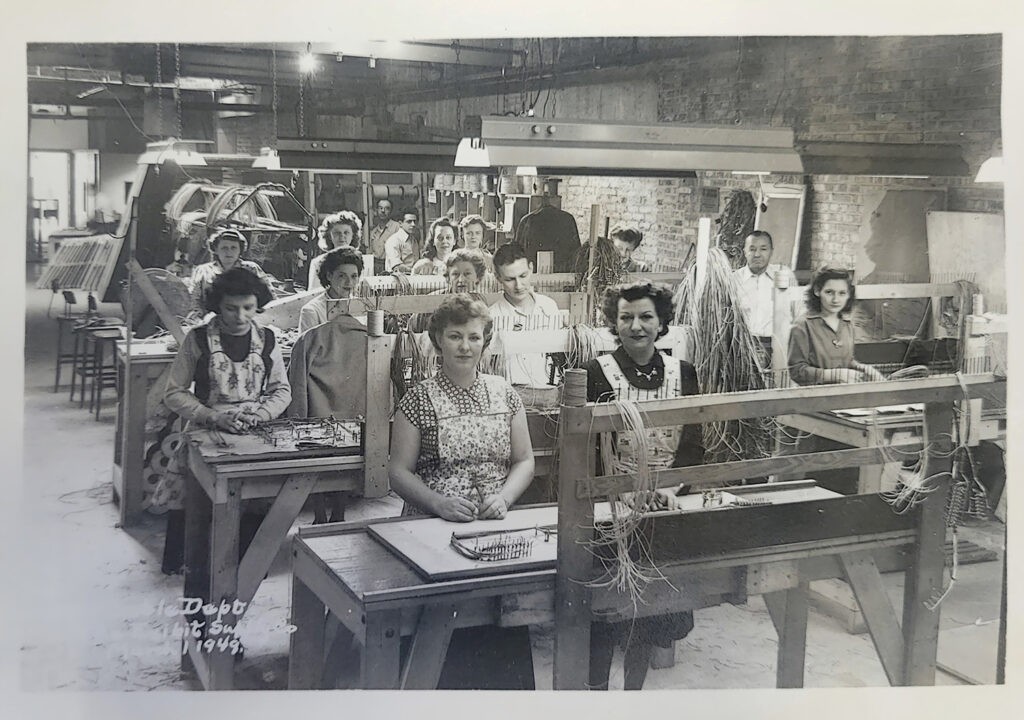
x: 726, y: 357
x: 584, y: 344
x: 409, y: 364
x: 605, y: 272
x: 736, y: 222
x: 619, y: 543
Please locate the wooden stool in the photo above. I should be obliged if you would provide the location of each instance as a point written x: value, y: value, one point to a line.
x: 78, y: 358
x: 104, y: 374
x: 65, y: 325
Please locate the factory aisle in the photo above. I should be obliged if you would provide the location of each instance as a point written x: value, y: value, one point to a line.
x: 91, y: 617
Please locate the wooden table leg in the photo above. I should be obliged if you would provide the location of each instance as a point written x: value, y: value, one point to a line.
x: 380, y: 669
x: 924, y: 576
x: 869, y: 477
x: 197, y: 547
x: 272, y: 531
x: 865, y: 580
x: 788, y: 610
x: 429, y: 647
x: 344, y: 655
x: 306, y: 645
x: 224, y: 579
x: 133, y: 440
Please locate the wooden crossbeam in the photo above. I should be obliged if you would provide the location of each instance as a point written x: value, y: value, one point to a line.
x: 605, y: 417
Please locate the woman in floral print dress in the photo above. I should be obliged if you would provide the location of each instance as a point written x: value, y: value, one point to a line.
x: 460, y: 450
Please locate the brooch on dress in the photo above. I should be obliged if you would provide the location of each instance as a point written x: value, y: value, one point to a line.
x: 837, y: 343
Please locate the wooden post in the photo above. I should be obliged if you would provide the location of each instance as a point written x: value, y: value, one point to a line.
x: 924, y: 576
x: 781, y: 322
x: 573, y: 568
x: 377, y: 429
x: 703, y: 248
x: 369, y: 206
x: 595, y: 222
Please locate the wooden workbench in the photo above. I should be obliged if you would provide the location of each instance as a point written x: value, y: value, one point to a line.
x: 221, y: 478
x: 874, y: 426
x: 137, y: 375
x: 343, y: 576
x: 850, y: 531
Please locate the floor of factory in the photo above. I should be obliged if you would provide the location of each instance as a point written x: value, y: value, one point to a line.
x: 92, y: 591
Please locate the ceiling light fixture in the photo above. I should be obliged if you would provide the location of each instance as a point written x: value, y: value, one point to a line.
x: 307, y: 61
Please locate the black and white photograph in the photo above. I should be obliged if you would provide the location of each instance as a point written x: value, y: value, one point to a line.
x: 440, y: 346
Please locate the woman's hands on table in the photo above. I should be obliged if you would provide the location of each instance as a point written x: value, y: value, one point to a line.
x: 235, y: 421
x: 494, y: 507
x: 455, y: 509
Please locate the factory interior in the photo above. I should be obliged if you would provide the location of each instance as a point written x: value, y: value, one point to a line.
x: 518, y: 358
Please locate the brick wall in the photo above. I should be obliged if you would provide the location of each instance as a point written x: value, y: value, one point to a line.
x: 867, y: 89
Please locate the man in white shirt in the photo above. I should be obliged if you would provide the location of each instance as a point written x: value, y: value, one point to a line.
x: 402, y: 249
x: 756, y: 281
x: 520, y: 308
x: 384, y: 228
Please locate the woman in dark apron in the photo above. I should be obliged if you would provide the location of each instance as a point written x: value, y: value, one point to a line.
x: 638, y: 314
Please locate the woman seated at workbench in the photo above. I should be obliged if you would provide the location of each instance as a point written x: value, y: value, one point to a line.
x: 460, y: 450
x: 821, y: 343
x: 226, y: 246
x: 239, y: 380
x: 440, y: 243
x: 342, y: 229
x: 638, y: 314
x: 465, y: 270
x: 338, y: 272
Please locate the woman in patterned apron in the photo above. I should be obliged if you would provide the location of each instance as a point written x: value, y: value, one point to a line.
x: 638, y: 314
x: 239, y: 380
x: 460, y: 450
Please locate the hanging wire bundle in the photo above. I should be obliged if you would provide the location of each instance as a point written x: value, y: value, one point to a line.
x: 736, y: 222
x: 584, y: 345
x: 595, y: 279
x: 619, y: 542
x: 726, y: 357
x: 409, y: 364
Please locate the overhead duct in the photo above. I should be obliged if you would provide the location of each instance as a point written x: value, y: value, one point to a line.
x: 568, y: 147
x: 334, y: 154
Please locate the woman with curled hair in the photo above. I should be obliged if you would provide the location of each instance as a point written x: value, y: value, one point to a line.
x: 464, y: 271
x: 342, y: 229
x: 821, y: 344
x: 226, y: 246
x: 228, y: 375
x: 461, y: 451
x: 638, y: 314
x: 440, y: 243
x: 626, y: 240
x: 473, y: 229
x: 338, y: 273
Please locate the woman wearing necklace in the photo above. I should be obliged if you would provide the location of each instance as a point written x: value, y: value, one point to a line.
x: 821, y: 343
x: 460, y: 450
x: 638, y: 314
